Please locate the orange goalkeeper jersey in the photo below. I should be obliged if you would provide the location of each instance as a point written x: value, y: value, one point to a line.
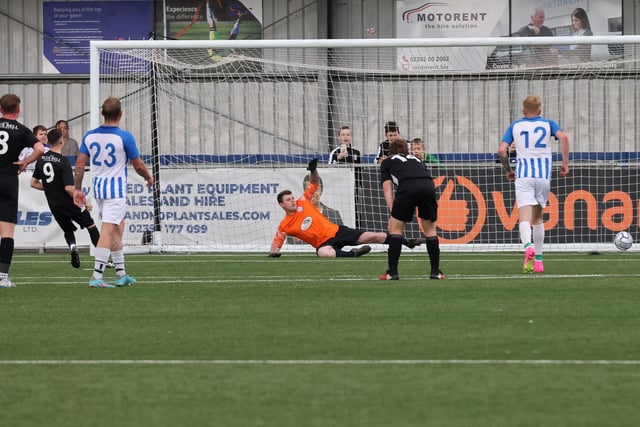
x: 307, y: 223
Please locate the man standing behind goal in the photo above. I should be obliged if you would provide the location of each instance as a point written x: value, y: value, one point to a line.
x: 532, y: 134
x: 109, y: 148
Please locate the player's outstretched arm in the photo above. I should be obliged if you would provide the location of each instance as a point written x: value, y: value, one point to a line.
x: 564, y: 149
x: 141, y: 169
x: 70, y: 189
x: 314, y: 177
x: 276, y: 244
x: 504, y: 161
x: 37, y: 184
x: 38, y: 151
x: 79, y: 198
x: 387, y: 190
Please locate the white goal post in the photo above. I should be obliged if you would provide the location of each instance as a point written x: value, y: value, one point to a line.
x: 227, y: 124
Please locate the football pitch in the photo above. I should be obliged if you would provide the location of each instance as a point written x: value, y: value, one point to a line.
x: 246, y: 340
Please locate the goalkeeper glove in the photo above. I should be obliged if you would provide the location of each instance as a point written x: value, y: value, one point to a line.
x: 274, y: 255
x: 313, y: 165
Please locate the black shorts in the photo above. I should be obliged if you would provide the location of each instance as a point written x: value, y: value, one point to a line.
x: 415, y: 193
x: 66, y: 212
x: 9, y: 198
x: 345, y: 236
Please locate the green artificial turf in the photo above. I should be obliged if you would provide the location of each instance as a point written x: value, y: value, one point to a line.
x: 241, y: 339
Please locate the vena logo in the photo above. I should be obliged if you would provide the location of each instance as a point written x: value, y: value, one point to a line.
x: 477, y: 209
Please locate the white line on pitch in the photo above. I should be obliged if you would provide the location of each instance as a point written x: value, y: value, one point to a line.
x: 347, y: 278
x: 324, y: 362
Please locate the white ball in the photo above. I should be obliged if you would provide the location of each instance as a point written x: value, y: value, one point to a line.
x: 623, y: 240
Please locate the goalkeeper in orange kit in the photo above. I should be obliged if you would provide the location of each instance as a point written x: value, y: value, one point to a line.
x: 304, y: 221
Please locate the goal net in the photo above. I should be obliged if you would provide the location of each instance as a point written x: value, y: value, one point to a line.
x: 226, y: 125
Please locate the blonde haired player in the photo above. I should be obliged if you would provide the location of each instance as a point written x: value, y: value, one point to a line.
x: 532, y: 136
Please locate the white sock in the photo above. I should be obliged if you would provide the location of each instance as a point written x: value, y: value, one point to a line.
x: 525, y: 232
x: 118, y: 260
x: 101, y: 258
x: 538, y: 239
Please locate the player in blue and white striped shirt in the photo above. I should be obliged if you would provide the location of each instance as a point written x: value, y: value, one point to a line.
x: 110, y: 149
x: 534, y: 164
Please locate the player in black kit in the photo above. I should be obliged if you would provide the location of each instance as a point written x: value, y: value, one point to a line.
x: 14, y: 137
x: 53, y: 174
x: 415, y: 190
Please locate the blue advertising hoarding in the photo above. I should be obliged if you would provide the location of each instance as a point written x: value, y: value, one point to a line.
x: 69, y: 26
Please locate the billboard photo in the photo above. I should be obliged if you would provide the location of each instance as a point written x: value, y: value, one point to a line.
x: 506, y: 18
x: 464, y: 18
x: 213, y: 20
x: 552, y: 18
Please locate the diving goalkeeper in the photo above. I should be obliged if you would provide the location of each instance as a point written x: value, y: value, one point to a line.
x: 304, y: 221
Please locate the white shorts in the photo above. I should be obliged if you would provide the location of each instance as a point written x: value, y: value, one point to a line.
x: 532, y: 191
x: 112, y: 210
